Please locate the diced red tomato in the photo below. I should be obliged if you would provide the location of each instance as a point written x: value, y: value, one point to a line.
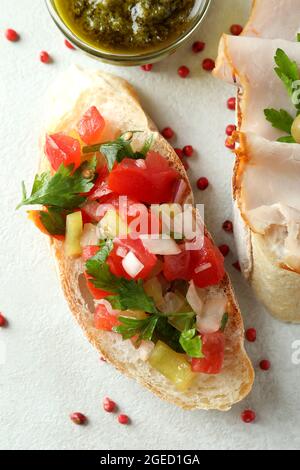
x: 151, y: 182
x: 35, y: 217
x: 86, y: 219
x: 183, y: 266
x: 102, y: 174
x: 213, y: 347
x: 96, y: 210
x: 99, y: 191
x: 137, y: 248
x: 97, y: 294
x: 178, y: 266
x: 155, y: 162
x: 91, y: 126
x: 210, y: 255
x: 61, y: 148
x: 103, y: 320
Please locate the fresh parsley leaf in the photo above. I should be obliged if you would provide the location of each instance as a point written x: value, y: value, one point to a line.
x: 224, y: 321
x: 287, y: 70
x: 130, y: 295
x: 147, y: 146
x: 279, y: 119
x: 117, y: 150
x: 64, y: 189
x: 127, y: 294
x: 298, y: 37
x: 288, y: 139
x: 191, y: 343
x: 131, y: 327
x: 54, y: 220
x: 168, y: 334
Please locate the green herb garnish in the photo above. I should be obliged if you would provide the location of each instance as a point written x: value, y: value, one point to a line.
x: 117, y: 150
x: 288, y: 72
x: 191, y: 343
x: 131, y: 327
x: 281, y: 120
x: 64, y: 189
x: 54, y: 220
x: 126, y: 294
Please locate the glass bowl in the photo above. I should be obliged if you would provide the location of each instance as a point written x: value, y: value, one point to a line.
x: 139, y: 58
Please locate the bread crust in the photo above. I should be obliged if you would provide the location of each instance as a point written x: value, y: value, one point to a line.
x: 209, y: 392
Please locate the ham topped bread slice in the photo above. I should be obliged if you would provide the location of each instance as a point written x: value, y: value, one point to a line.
x: 267, y: 172
x: 159, y: 310
x: 274, y: 19
x: 259, y: 87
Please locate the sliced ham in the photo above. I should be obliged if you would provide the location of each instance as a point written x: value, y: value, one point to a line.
x: 267, y: 184
x: 249, y: 62
x: 274, y: 19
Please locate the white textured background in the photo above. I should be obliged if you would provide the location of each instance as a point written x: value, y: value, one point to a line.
x: 50, y: 369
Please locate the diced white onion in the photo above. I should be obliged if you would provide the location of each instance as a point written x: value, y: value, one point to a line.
x: 209, y: 321
x: 132, y: 264
x: 89, y: 235
x: 141, y: 163
x: 161, y: 247
x: 121, y: 251
x: 195, y: 298
x: 202, y: 268
x: 107, y: 305
x: 172, y: 303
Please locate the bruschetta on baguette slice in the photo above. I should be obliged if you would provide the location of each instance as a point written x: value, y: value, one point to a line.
x: 267, y: 172
x: 160, y: 311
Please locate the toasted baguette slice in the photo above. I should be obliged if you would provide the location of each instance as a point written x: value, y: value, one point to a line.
x: 71, y: 96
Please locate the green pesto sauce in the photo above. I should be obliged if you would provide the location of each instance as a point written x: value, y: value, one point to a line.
x: 126, y: 25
